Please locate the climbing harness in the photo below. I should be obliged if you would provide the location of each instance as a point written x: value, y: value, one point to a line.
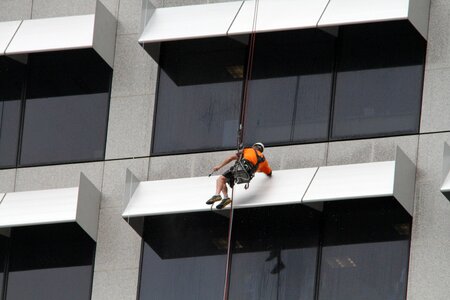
x: 244, y: 171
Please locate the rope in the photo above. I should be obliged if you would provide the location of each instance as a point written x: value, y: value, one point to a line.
x: 240, y: 143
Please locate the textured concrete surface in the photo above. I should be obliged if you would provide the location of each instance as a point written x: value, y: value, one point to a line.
x: 12, y: 10
x: 7, y: 180
x: 59, y: 8
x: 135, y: 72
x: 113, y: 188
x: 438, y: 49
x: 371, y: 150
x: 429, y: 261
x: 59, y: 176
x: 435, y: 103
x: 130, y: 126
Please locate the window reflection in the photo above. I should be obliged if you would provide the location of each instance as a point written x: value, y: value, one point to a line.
x: 366, y: 250
x: 274, y: 253
x: 290, y: 88
x: 66, y: 108
x: 184, y: 256
x: 11, y: 80
x: 199, y: 95
x: 379, y: 80
x: 3, y: 258
x: 50, y: 262
x: 306, y: 85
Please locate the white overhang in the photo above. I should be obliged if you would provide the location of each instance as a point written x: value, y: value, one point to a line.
x: 277, y: 15
x: 445, y: 188
x: 369, y: 180
x: 186, y: 195
x: 79, y: 204
x: 344, y: 12
x: 189, y: 22
x: 97, y: 31
x: 7, y: 31
x: 307, y: 186
x: 242, y: 17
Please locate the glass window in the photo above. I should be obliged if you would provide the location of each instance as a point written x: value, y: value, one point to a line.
x: 50, y: 262
x: 379, y: 80
x: 290, y: 89
x: 365, y: 250
x: 274, y: 253
x: 199, y: 95
x: 3, y: 257
x: 184, y: 256
x: 11, y: 80
x: 66, y: 110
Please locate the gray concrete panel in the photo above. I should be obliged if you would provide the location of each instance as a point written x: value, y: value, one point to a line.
x: 60, y: 8
x: 188, y: 165
x: 112, y: 6
x: 298, y: 156
x: 371, y: 150
x: 88, y: 206
x: 438, y: 51
x: 436, y: 100
x: 118, y: 245
x: 114, y: 180
x: 115, y: 285
x: 105, y: 29
x: 59, y: 176
x: 130, y: 126
x: 431, y: 225
x: 13, y: 10
x: 135, y: 72
x: 129, y: 17
x: 171, y: 3
x: 7, y: 180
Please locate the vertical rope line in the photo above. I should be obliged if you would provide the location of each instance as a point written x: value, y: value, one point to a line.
x: 240, y: 142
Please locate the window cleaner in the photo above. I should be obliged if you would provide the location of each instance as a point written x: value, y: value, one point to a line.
x: 248, y: 162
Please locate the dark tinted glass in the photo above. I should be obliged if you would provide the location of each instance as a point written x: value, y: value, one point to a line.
x: 3, y: 251
x: 365, y: 250
x: 184, y: 257
x: 50, y: 262
x: 66, y: 108
x: 274, y: 253
x: 290, y: 87
x: 379, y: 80
x: 199, y: 95
x: 11, y: 80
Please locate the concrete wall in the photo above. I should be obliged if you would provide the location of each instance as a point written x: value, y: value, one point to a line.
x: 129, y: 138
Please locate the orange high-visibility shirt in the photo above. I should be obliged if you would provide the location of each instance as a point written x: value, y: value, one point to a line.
x: 250, y: 155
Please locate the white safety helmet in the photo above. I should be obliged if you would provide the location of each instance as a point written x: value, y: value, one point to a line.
x: 260, y: 146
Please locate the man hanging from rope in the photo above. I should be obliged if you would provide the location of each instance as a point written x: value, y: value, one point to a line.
x: 251, y: 159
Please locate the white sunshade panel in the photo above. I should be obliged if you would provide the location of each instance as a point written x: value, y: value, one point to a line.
x: 355, y: 181
x: 276, y: 15
x: 190, y: 194
x: 190, y: 22
x: 52, y: 34
x: 171, y: 196
x: 342, y: 12
x: 7, y: 31
x: 284, y: 187
x: 38, y: 207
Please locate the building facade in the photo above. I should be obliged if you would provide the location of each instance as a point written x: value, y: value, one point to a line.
x: 317, y: 97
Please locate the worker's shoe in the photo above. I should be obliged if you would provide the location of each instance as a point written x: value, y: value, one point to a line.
x: 225, y: 202
x: 213, y: 199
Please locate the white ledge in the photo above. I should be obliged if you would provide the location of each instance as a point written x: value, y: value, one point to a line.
x: 7, y: 31
x: 79, y: 204
x: 97, y: 31
x: 236, y: 18
x: 296, y: 186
